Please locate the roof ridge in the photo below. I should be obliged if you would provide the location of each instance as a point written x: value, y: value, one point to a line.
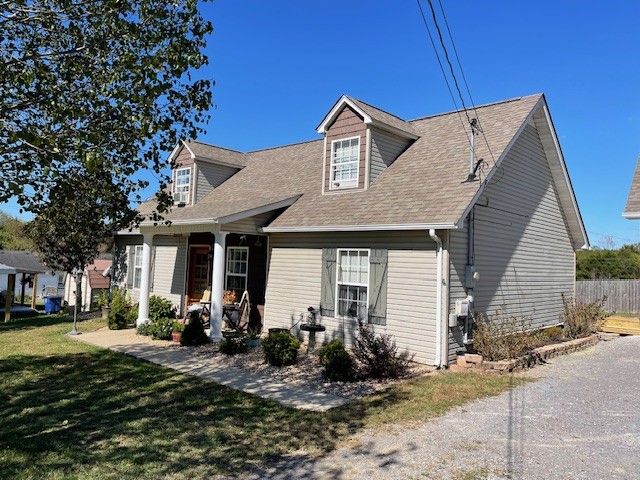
x: 484, y: 105
x: 285, y: 146
x: 217, y: 146
x: 377, y: 108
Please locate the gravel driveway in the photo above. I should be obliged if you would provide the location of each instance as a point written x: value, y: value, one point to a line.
x: 581, y: 420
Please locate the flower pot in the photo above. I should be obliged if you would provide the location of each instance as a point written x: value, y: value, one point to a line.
x: 175, y: 336
x: 253, y: 342
x: 105, y: 312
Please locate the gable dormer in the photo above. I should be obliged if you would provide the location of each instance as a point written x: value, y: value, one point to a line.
x: 360, y: 142
x: 198, y: 168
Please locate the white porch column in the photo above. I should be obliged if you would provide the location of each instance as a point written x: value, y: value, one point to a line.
x: 217, y: 286
x: 143, y: 300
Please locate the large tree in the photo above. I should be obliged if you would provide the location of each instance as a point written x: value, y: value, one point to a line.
x: 96, y: 85
x: 12, y: 235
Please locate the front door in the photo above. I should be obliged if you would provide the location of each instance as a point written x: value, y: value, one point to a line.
x: 199, y: 265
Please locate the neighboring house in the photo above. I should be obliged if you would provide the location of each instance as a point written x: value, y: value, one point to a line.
x: 387, y: 220
x: 30, y: 273
x: 95, y: 281
x: 632, y: 209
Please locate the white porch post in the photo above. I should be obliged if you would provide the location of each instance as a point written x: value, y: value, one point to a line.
x: 217, y: 286
x: 143, y: 300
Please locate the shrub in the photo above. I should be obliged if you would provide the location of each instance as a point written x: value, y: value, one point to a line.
x: 280, y: 349
x: 122, y: 313
x: 160, y: 308
x: 338, y: 364
x: 234, y: 345
x: 581, y: 320
x: 503, y: 336
x: 194, y: 333
x: 552, y: 334
x: 377, y: 355
x: 161, y: 328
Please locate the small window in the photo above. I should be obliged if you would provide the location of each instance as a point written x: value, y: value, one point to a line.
x: 345, y: 163
x: 237, y: 263
x: 182, y: 186
x: 352, y: 283
x: 137, y: 267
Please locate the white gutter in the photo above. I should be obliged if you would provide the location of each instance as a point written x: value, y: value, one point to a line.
x: 361, y: 228
x: 434, y: 237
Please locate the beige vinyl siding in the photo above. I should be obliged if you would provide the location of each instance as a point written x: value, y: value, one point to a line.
x: 248, y: 225
x: 523, y: 251
x: 457, y: 266
x: 211, y: 176
x: 169, y: 267
x: 122, y: 247
x: 385, y: 148
x: 294, y: 283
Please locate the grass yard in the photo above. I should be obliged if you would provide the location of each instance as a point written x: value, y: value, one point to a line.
x: 70, y: 410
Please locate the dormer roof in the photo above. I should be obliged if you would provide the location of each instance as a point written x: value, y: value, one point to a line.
x: 371, y: 116
x: 211, y: 154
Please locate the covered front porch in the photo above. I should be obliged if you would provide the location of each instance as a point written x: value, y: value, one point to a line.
x: 205, y: 257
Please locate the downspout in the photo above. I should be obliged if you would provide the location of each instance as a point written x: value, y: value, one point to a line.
x: 434, y: 237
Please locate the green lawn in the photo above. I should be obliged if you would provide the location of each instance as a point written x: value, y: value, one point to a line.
x: 70, y: 410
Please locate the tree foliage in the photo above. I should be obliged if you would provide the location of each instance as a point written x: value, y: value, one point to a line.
x: 601, y: 263
x: 68, y: 233
x: 96, y: 85
x: 12, y: 235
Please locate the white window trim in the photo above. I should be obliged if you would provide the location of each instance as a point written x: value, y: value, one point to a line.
x: 175, y: 185
x: 337, y: 287
x: 136, y: 267
x: 332, y: 185
x: 226, y: 267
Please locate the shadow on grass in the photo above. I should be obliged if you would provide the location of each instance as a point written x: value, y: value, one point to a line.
x: 31, y: 321
x: 103, y: 415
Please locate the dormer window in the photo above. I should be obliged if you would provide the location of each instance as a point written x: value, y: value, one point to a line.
x: 182, y: 186
x: 345, y: 163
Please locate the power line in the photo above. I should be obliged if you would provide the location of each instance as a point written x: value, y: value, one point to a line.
x: 446, y: 81
x: 464, y: 78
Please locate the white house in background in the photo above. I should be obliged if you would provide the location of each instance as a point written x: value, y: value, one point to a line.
x: 413, y: 226
x: 28, y: 266
x: 95, y: 281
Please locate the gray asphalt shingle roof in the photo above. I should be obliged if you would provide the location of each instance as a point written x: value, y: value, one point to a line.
x: 425, y: 185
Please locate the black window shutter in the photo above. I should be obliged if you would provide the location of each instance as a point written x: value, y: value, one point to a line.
x: 378, y: 286
x: 328, y: 287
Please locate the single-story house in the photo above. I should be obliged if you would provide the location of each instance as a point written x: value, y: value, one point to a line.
x: 412, y: 226
x: 95, y: 281
x: 632, y: 209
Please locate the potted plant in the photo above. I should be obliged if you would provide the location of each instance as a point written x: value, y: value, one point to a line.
x: 253, y: 337
x: 178, y: 328
x: 103, y: 304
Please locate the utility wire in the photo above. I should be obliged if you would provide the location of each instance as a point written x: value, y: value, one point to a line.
x: 446, y: 81
x: 464, y: 79
x: 446, y: 55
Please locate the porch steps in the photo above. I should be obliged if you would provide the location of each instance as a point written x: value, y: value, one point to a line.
x: 621, y: 325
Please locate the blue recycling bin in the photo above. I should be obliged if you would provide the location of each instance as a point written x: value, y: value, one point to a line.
x: 52, y: 304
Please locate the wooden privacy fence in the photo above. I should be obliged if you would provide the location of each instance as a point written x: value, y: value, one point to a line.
x: 622, y: 295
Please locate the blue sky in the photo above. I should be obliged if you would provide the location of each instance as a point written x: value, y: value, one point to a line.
x: 279, y: 66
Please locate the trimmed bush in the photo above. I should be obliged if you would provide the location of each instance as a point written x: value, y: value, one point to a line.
x: 160, y: 329
x: 160, y: 308
x: 338, y: 364
x: 122, y: 312
x: 581, y: 320
x: 280, y: 349
x: 234, y: 345
x: 377, y: 355
x: 194, y: 333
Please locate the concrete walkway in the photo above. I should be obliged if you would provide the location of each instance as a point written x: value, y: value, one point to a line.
x: 183, y: 360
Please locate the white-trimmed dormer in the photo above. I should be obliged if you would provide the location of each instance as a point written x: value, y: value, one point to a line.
x: 360, y: 142
x: 198, y: 168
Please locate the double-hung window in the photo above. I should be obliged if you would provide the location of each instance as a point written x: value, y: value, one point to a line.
x: 237, y: 263
x: 345, y: 161
x: 352, y: 283
x: 182, y: 185
x: 137, y: 266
